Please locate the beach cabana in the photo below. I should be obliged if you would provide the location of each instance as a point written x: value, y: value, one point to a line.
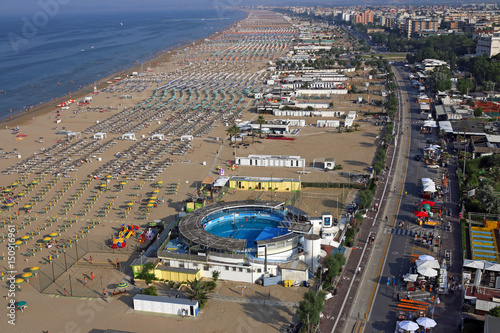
x: 160, y: 137
x: 167, y: 305
x: 129, y: 136
x: 72, y: 135
x: 100, y: 136
x: 187, y: 138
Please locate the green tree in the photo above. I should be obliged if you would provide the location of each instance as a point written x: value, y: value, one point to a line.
x: 310, y: 308
x: 197, y: 290
x: 494, y: 173
x: 233, y: 131
x: 495, y: 312
x: 478, y: 112
x: 151, y: 290
x: 486, y: 195
x: 215, y: 275
x: 464, y: 85
x: 261, y: 121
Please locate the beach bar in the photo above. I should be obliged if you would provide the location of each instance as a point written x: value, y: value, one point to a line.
x: 166, y: 305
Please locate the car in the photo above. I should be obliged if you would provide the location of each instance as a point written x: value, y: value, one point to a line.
x: 418, y: 157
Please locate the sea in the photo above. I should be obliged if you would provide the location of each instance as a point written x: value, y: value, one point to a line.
x: 46, y: 57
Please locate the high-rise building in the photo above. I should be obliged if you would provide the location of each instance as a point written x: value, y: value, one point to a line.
x: 364, y: 17
x: 416, y: 25
x: 488, y: 44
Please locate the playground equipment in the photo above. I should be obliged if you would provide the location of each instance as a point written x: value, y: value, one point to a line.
x: 118, y: 242
x: 127, y: 231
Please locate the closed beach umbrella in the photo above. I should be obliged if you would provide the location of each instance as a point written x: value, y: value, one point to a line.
x: 18, y: 281
x: 426, y: 322
x: 408, y: 325
x: 122, y: 285
x: 47, y: 239
x: 27, y: 275
x: 35, y: 269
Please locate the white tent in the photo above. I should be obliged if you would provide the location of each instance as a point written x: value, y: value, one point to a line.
x: 100, y: 136
x: 427, y: 263
x: 410, y: 277
x: 425, y: 257
x: 474, y: 264
x: 160, y: 137
x: 429, y: 187
x: 187, y: 138
x: 426, y: 271
x: 129, y: 136
x: 74, y: 134
x: 492, y: 266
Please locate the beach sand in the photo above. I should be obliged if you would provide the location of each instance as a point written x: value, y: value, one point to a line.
x: 58, y: 179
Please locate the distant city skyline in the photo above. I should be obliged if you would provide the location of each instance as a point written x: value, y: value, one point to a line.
x: 13, y: 7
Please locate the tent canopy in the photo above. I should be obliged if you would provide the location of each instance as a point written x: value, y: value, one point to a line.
x: 427, y: 263
x: 474, y: 264
x: 129, y: 136
x: 160, y: 137
x: 492, y: 266
x: 208, y: 180
x: 100, y: 136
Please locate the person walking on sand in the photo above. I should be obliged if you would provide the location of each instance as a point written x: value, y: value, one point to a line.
x: 90, y: 259
x: 85, y: 280
x: 65, y: 292
x: 104, y: 294
x: 242, y: 290
x: 91, y: 276
x: 117, y: 263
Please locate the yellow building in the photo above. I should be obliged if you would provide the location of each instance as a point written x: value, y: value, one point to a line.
x: 264, y: 184
x: 169, y: 273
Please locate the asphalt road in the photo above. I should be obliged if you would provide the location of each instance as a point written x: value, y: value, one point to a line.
x: 383, y: 313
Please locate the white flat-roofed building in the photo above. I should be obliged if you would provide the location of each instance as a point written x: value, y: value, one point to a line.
x: 272, y: 161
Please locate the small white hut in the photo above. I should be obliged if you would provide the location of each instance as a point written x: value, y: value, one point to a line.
x: 129, y: 136
x: 160, y: 137
x: 100, y: 136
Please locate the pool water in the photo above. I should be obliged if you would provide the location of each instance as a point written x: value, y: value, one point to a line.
x: 247, y: 226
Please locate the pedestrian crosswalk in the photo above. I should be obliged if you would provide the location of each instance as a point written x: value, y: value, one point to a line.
x: 403, y: 232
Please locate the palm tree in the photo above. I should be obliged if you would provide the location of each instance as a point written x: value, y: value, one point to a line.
x: 233, y: 131
x: 261, y: 121
x: 197, y: 290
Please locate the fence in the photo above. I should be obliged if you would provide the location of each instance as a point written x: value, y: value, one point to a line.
x: 67, y: 268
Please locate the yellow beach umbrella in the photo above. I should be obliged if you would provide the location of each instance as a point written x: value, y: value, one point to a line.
x: 27, y: 206
x: 18, y: 242
x: 54, y: 234
x: 123, y: 183
x: 47, y: 239
x: 109, y: 176
x: 26, y: 237
x: 34, y: 268
x: 10, y: 204
x: 149, y: 205
x: 151, y: 201
x: 156, y: 191
x: 130, y: 203
x: 34, y: 182
x: 9, y: 189
x: 27, y: 275
x: 14, y: 184
x: 159, y: 182
x: 22, y: 194
x: 102, y: 185
x: 153, y: 197
x: 18, y: 281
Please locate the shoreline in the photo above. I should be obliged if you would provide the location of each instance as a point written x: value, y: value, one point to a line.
x: 162, y: 57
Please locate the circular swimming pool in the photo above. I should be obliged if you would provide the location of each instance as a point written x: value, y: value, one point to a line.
x: 247, y: 225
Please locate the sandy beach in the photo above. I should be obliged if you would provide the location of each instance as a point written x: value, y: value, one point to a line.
x: 81, y: 190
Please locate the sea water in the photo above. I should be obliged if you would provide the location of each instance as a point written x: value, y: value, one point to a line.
x: 71, y: 51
